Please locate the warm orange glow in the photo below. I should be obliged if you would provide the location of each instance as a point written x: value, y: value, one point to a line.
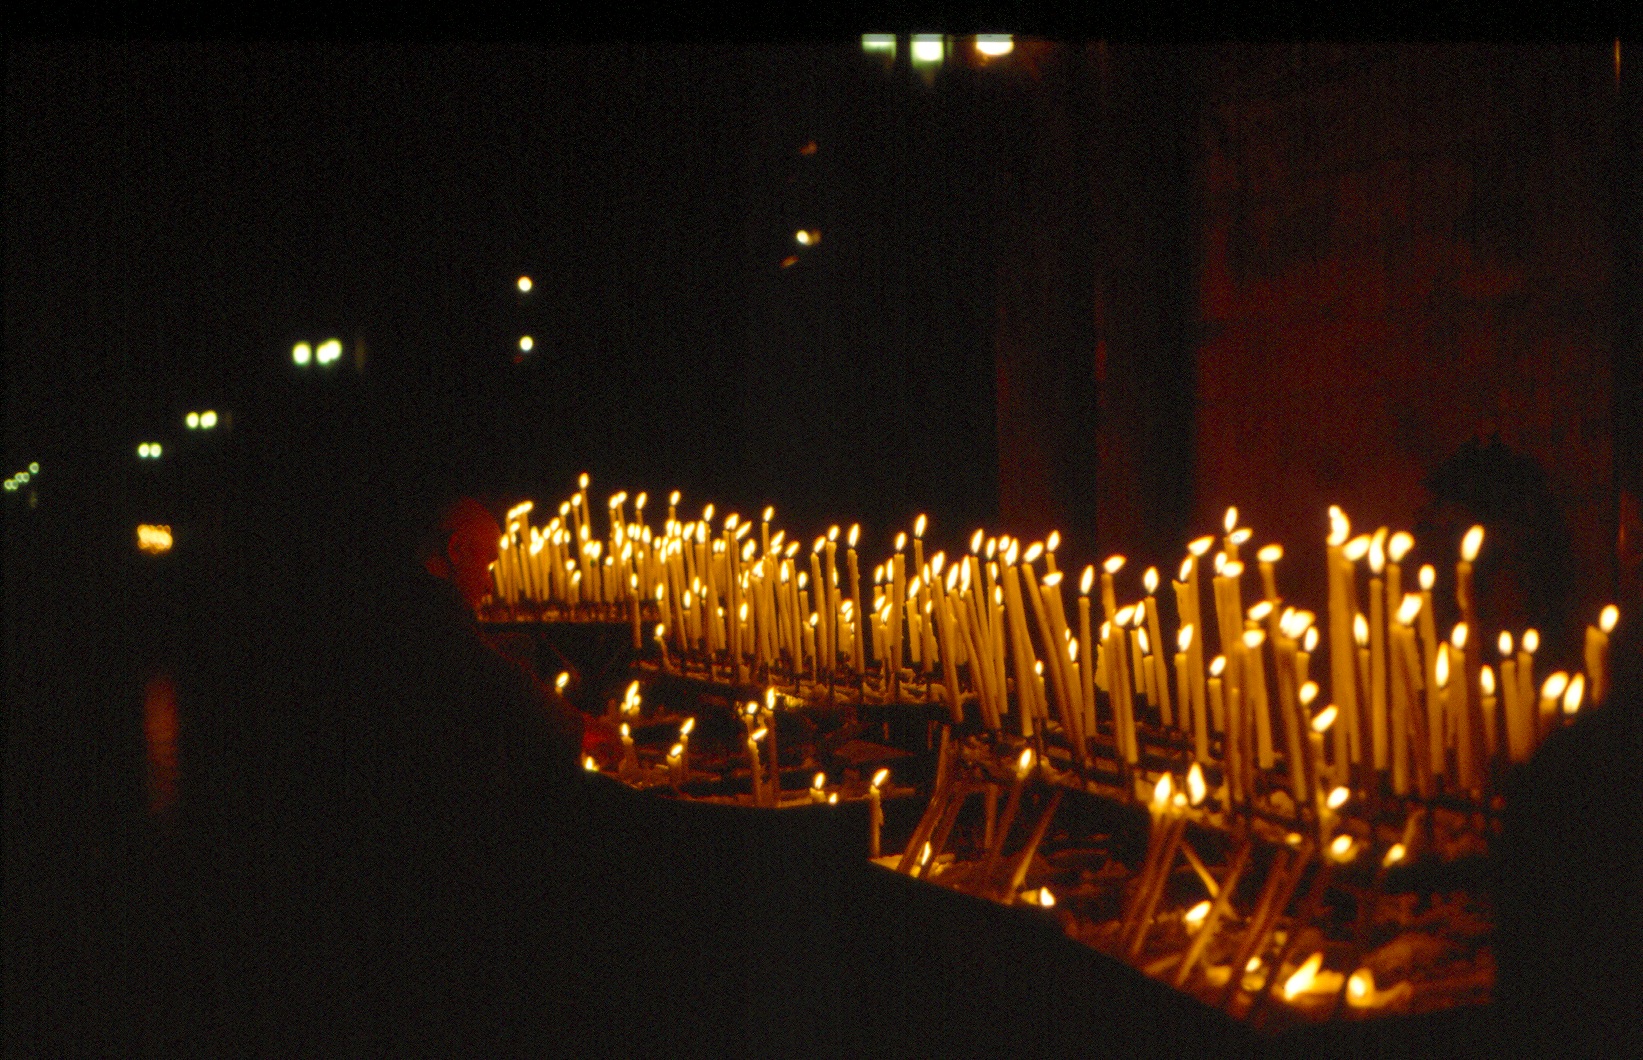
x: 901, y: 541
x: 1185, y: 571
x: 1470, y: 544
x: 1270, y: 553
x: 1052, y: 542
x: 1340, y: 527
x: 1571, y: 698
x: 1304, y: 976
x: 819, y: 781
x: 1194, y: 917
x: 1052, y: 579
x: 1261, y: 610
x: 1341, y: 847
x: 1326, y: 717
x: 589, y: 764
x: 1458, y: 636
x: 1045, y: 898
x: 1505, y: 643
x: 1025, y: 762
x: 1394, y: 855
x: 1149, y: 580
x: 153, y: 539
x: 1233, y: 569
x: 1531, y: 640
x: 1253, y: 638
x: 1428, y: 577
x: 1162, y: 791
x: 1141, y: 639
x: 1087, y: 581
x: 1034, y: 550
x: 1196, y: 788
x: 1199, y: 546
x: 1217, y: 665
x: 1356, y: 548
x: 976, y: 541
x: 677, y: 751
x: 1607, y: 619
x: 1241, y: 535
x: 1183, y: 639
x: 1123, y: 616
x: 1486, y: 679
x: 1360, y: 988
x: 1337, y: 798
x: 1555, y: 685
x: 1310, y: 641
x: 1230, y: 520
x: 1407, y: 610
x: 1399, y: 546
x: 1442, y: 668
x: 1113, y: 564
x: 880, y: 777
x: 918, y: 526
x: 1377, y: 552
x: 1308, y: 692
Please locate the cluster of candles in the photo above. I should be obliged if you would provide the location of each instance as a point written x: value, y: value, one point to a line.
x: 1407, y: 709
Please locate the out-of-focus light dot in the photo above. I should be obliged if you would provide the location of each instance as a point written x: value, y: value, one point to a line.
x: 208, y: 419
x: 192, y: 420
x: 524, y: 284
x: 34, y: 469
x: 22, y: 476
x: 328, y: 351
x: 878, y: 42
x: 790, y: 261
x: 995, y: 44
x: 526, y: 342
x: 154, y: 450
x: 302, y: 353
x: 142, y: 450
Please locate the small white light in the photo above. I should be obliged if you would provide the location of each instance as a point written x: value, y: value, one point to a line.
x: 208, y: 420
x: 928, y: 48
x: 328, y: 351
x: 192, y: 420
x: 879, y: 42
x: 302, y: 353
x: 524, y: 284
x: 526, y: 343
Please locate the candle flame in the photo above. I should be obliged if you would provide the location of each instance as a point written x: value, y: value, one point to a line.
x: 1261, y: 610
x: 819, y: 781
x: 1360, y: 988
x: 1356, y: 548
x: 924, y: 855
x: 880, y: 777
x: 1304, y: 977
x: 1504, y: 643
x: 1186, y: 570
x: 1217, y: 665
x: 1340, y: 527
x: 1149, y: 580
x: 1113, y: 564
x: 1034, y: 550
x: 1233, y: 569
x: 1308, y: 692
x: 758, y: 734
x: 1428, y: 577
x: 1377, y: 552
x: 1196, y: 788
x: 1230, y: 521
x: 1310, y: 641
x: 992, y: 548
x: 814, y: 618
x: 1608, y: 618
x: 1123, y: 616
x: 1052, y: 579
x: 1337, y: 798
x: 901, y: 541
x: 1038, y: 668
x: 1458, y: 636
x: 1270, y: 553
x: 589, y: 764
x: 1183, y: 639
x: 918, y: 526
x: 833, y: 799
x: 1253, y: 638
x: 1106, y: 630
x: 1052, y: 542
x: 1162, y: 791
x: 1341, y: 846
x: 952, y: 578
x: 1087, y: 581
x: 1072, y: 648
x: 1531, y: 640
x: 1486, y: 679
x: 1554, y: 685
x: 821, y: 543
x: 1194, y: 917
x: 1025, y: 762
x: 1442, y: 667
x: 582, y: 480
x: 1253, y: 965
x: 625, y: 730
x: 833, y: 533
x: 1201, y: 545
x: 1410, y: 607
x: 1045, y: 898
x: 561, y: 681
x: 1141, y: 638
x: 938, y: 561
x: 1571, y: 698
x: 975, y: 541
x: 1326, y: 717
x: 1220, y: 562
x: 1470, y: 544
x: 676, y: 751
x: 1360, y: 630
x: 741, y: 612
x: 1240, y: 535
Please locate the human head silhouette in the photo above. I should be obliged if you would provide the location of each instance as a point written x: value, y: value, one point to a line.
x: 465, y: 546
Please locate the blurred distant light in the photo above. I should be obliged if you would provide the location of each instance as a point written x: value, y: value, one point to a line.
x: 153, y: 539
x: 928, y: 48
x: 526, y: 343
x: 790, y: 261
x: 328, y: 351
x: 142, y: 450
x: 192, y: 420
x: 208, y: 420
x: 809, y: 148
x: 11, y: 485
x: 302, y: 353
x: 803, y: 237
x: 879, y: 43
x: 524, y: 284
x: 22, y: 476
x: 34, y: 469
x: 995, y: 44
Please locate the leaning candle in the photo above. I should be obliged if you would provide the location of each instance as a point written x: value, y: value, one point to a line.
x: 630, y: 760
x: 875, y: 812
x: 675, y: 766
x: 1088, y: 670
x: 1597, y: 652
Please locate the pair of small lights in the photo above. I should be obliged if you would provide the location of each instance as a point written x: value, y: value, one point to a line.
x: 153, y: 539
x: 200, y: 421
x: 149, y: 450
x: 807, y: 237
x: 325, y: 353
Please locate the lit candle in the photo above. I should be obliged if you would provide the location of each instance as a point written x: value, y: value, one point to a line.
x: 1087, y: 676
x: 1550, y: 692
x: 1377, y: 649
x: 1429, y: 654
x: 1597, y: 652
x: 855, y: 601
x: 1183, y: 664
x: 1109, y: 600
x: 1402, y: 708
x: 1186, y: 606
x: 875, y: 812
x: 630, y: 760
x: 1230, y: 523
x: 831, y: 588
x: 1526, y: 679
x: 1149, y: 581
x: 753, y: 739
x: 1572, y: 694
x: 1230, y: 749
x: 675, y: 766
x: 820, y: 596
x: 1519, y: 722
x: 1255, y: 683
x: 898, y: 593
x: 1461, y: 708
x: 1486, y: 684
x: 818, y: 789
